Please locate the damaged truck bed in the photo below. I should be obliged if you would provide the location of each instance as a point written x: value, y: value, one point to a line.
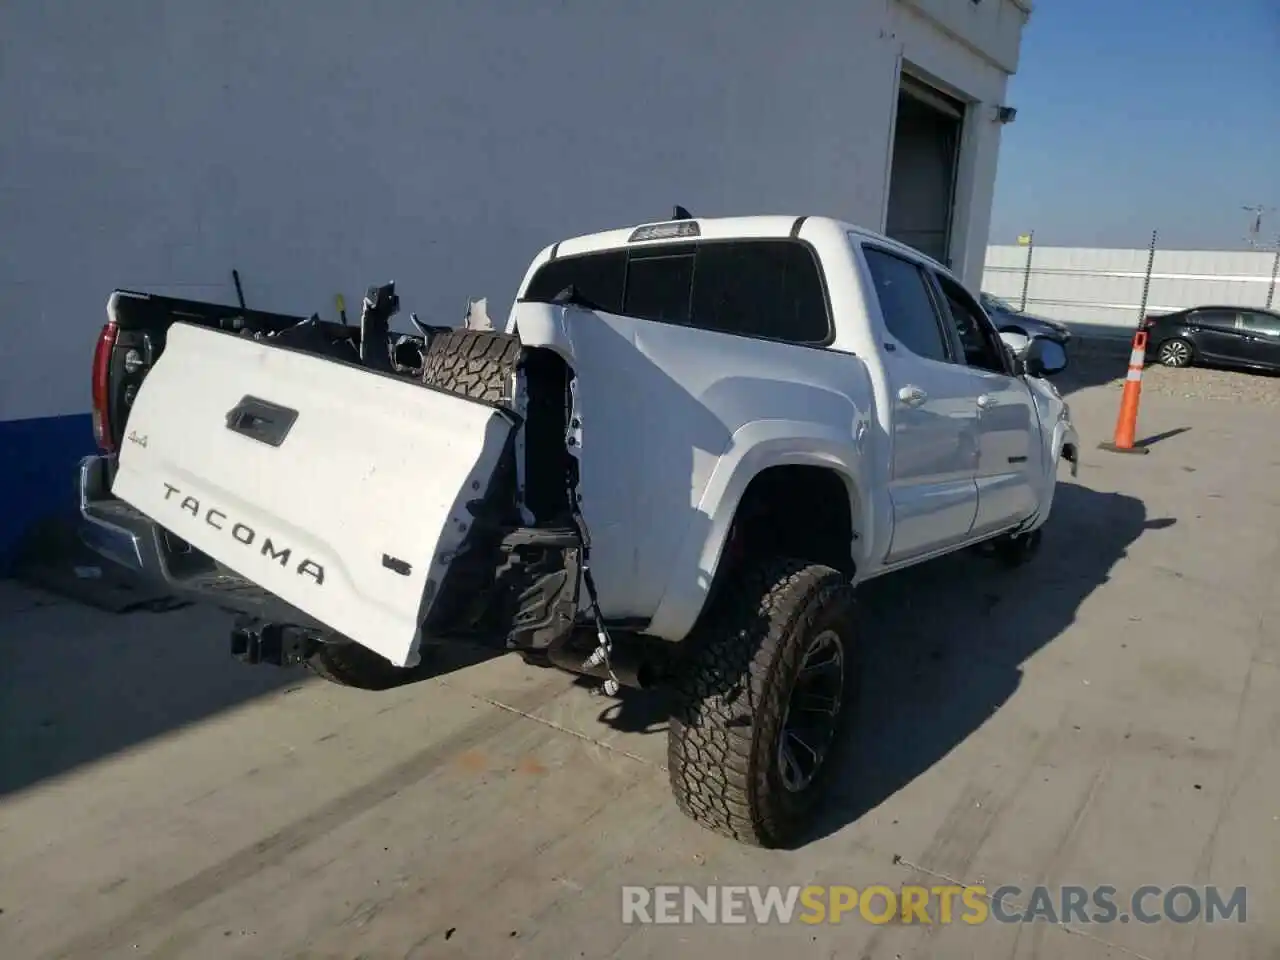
x: 291, y: 486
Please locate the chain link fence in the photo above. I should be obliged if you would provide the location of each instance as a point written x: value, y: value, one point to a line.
x: 1106, y: 292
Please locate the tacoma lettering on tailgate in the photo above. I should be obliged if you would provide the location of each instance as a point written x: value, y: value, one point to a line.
x: 243, y: 534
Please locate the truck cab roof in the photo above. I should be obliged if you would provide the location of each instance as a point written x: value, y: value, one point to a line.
x: 720, y: 228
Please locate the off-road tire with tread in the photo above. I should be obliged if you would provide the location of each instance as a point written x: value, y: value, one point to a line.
x: 731, y: 697
x: 478, y: 364
x: 353, y: 665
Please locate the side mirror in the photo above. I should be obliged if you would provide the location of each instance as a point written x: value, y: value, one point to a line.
x: 1016, y: 343
x: 1044, y: 358
x: 1015, y: 362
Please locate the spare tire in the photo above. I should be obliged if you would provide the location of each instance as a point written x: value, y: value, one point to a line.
x: 477, y: 364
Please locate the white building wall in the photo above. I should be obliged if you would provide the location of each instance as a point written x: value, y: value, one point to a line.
x: 322, y: 146
x: 989, y: 31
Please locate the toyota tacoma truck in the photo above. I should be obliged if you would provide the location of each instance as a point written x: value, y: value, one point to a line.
x: 690, y: 444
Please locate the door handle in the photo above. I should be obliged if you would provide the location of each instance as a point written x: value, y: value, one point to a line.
x: 260, y: 420
x: 986, y: 402
x: 912, y: 395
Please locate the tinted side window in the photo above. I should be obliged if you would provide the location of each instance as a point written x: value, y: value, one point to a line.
x: 1222, y: 319
x: 760, y: 288
x: 597, y: 277
x: 982, y: 347
x: 906, y: 304
x: 1263, y: 323
x: 659, y: 284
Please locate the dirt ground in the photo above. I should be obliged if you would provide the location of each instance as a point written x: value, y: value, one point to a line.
x: 1108, y: 715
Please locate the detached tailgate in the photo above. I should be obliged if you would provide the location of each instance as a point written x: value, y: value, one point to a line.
x: 340, y: 490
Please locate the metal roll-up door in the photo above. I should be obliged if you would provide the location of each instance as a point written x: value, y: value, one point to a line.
x: 922, y: 178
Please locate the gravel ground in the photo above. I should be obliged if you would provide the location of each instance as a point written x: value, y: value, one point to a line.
x: 1106, y: 364
x: 1199, y: 383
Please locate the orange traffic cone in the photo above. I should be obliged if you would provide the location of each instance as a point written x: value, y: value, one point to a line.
x: 1127, y: 422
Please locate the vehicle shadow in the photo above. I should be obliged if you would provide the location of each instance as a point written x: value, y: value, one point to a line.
x: 945, y: 643
x: 1092, y: 365
x: 79, y: 685
x: 631, y: 711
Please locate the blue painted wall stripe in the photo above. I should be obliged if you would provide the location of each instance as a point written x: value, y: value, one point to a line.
x: 38, y: 460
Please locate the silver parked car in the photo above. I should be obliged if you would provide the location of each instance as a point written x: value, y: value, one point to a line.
x: 1009, y: 319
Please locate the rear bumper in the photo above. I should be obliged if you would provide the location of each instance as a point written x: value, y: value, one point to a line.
x: 128, y: 537
x: 108, y: 526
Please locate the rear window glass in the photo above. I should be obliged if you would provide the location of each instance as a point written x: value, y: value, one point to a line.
x: 756, y: 288
x: 658, y: 287
x: 761, y: 289
x: 597, y: 277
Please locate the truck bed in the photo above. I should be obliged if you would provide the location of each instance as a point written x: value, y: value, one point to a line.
x: 140, y: 323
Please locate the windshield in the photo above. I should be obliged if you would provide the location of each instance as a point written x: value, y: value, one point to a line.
x: 996, y: 303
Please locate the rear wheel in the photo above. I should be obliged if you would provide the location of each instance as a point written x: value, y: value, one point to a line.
x: 1176, y: 353
x: 349, y: 664
x: 761, y: 702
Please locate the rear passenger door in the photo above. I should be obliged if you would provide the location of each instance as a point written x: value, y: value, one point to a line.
x: 934, y: 416
x: 1262, y: 333
x: 1217, y: 334
x: 1009, y: 459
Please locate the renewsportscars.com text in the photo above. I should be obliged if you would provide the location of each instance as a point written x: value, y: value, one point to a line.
x: 943, y: 904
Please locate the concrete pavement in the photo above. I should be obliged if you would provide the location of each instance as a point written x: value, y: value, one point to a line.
x: 1108, y: 715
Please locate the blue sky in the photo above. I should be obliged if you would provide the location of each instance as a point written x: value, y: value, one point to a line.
x: 1136, y: 115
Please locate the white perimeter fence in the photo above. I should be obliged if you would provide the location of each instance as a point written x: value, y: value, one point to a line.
x: 1102, y: 289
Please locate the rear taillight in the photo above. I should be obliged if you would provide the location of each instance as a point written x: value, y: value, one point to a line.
x: 102, y: 388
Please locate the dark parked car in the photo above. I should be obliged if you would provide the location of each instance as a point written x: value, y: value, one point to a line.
x: 1009, y: 319
x: 1228, y: 336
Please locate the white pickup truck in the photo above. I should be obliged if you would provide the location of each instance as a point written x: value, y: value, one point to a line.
x: 691, y: 443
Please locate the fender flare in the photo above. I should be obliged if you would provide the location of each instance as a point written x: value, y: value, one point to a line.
x: 755, y: 447
x: 543, y: 325
x: 1063, y: 434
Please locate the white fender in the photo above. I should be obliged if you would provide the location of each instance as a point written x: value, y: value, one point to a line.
x: 543, y: 325
x: 755, y: 447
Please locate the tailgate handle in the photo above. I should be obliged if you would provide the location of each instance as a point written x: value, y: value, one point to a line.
x: 259, y: 420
